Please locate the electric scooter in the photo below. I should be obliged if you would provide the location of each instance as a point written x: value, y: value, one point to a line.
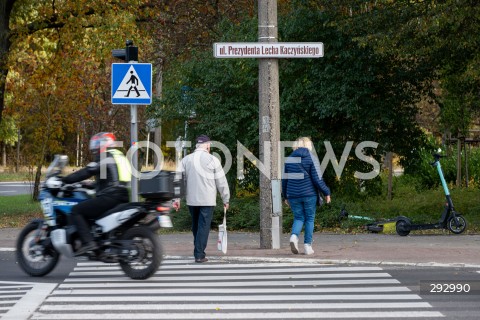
x: 450, y: 219
x: 385, y: 225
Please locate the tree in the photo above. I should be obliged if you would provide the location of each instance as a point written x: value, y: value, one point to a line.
x: 437, y: 34
x: 352, y: 94
x: 59, y: 71
x: 5, y: 11
x: 8, y: 136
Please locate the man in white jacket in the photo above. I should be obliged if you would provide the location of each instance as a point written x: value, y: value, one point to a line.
x: 204, y: 175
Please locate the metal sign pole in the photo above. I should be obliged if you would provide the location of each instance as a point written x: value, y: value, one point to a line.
x: 133, y: 141
x: 139, y: 80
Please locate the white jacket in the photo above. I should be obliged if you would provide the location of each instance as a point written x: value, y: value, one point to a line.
x: 204, y: 176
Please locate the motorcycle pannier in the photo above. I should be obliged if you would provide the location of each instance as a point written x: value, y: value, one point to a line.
x: 161, y: 185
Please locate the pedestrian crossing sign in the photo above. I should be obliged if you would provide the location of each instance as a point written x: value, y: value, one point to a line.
x: 131, y: 83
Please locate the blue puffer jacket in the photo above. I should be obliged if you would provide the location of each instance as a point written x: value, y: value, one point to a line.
x: 301, y: 184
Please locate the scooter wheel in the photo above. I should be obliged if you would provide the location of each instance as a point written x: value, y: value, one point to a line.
x: 457, y: 224
x: 402, y: 228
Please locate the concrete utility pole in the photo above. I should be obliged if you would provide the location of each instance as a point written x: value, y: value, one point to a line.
x: 269, y: 129
x: 268, y: 50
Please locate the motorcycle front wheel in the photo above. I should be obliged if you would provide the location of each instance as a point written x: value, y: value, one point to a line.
x: 145, y: 253
x: 35, y: 254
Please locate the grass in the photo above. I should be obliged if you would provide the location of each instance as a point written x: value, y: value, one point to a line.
x: 421, y: 207
x: 16, y: 211
x: 12, y: 176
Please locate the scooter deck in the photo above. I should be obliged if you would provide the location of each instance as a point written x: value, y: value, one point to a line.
x: 427, y: 226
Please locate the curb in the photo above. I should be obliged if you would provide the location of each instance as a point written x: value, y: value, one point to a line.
x: 330, y: 261
x: 316, y: 261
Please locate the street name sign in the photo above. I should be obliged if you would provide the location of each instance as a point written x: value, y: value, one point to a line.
x: 268, y: 50
x: 132, y: 83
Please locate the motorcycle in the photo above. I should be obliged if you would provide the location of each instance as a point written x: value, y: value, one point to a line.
x: 125, y: 234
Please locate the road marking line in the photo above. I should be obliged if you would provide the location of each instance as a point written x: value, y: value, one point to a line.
x: 122, y: 294
x: 25, y: 306
x: 261, y: 266
x: 243, y: 277
x: 226, y: 269
x: 108, y: 291
x: 232, y: 306
x: 256, y: 315
x: 126, y: 282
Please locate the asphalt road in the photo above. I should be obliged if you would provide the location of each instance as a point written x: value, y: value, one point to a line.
x: 12, y: 272
x: 261, y: 290
x: 15, y: 188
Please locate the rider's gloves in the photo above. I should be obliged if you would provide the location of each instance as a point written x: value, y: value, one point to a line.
x: 53, y: 183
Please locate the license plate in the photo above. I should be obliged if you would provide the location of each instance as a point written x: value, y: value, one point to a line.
x: 165, y: 221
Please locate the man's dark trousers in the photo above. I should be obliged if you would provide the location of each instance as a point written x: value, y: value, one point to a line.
x: 201, y: 222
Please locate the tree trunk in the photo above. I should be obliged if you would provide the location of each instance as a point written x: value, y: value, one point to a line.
x: 5, y: 10
x: 36, y: 185
x: 157, y: 136
x: 17, y: 163
x: 390, y: 174
x: 4, y: 154
x: 466, y: 162
x: 459, y: 162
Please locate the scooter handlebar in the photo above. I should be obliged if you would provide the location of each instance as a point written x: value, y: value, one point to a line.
x: 437, y: 157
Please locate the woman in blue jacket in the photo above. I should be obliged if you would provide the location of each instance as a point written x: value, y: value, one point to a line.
x: 299, y: 189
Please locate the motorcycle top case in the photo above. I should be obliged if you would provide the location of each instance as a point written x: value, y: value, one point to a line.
x: 162, y: 185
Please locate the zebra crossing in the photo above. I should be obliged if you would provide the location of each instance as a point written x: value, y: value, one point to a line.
x: 219, y: 290
x: 20, y: 299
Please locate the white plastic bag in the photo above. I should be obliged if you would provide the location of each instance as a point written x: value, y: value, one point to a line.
x: 222, y: 233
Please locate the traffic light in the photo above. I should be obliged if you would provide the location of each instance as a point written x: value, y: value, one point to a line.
x: 130, y: 53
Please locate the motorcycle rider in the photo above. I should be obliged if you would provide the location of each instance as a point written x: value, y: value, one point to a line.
x: 112, y: 174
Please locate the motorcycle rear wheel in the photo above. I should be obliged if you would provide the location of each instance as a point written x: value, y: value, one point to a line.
x: 146, y: 253
x: 34, y: 257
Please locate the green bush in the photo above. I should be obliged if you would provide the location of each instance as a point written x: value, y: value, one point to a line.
x: 243, y: 215
x: 426, y: 176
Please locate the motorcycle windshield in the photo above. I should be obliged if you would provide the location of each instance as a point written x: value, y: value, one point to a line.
x: 57, y: 165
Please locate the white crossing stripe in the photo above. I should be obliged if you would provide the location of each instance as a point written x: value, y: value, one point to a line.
x: 235, y: 306
x: 127, y: 282
x: 189, y: 277
x: 89, y: 266
x: 22, y: 298
x: 310, y: 297
x: 270, y: 315
x: 181, y: 289
x: 70, y: 290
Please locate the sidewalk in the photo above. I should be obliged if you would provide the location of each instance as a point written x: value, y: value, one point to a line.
x: 380, y: 249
